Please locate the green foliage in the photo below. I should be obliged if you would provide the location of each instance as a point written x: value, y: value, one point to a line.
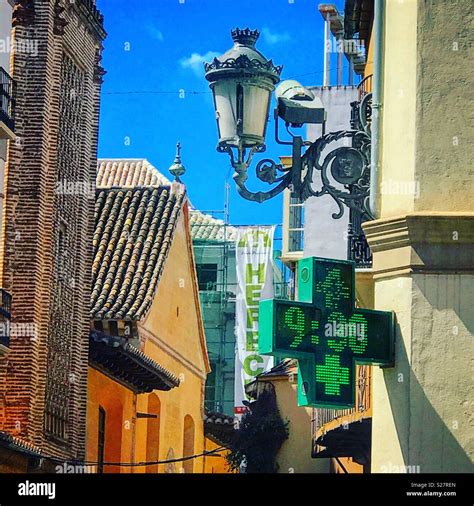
x: 259, y: 437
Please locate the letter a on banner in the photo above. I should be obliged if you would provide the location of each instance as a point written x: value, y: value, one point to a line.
x: 254, y: 250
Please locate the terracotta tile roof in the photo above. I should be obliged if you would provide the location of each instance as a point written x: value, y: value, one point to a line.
x: 131, y: 173
x: 128, y: 173
x: 218, y: 418
x: 18, y: 444
x: 120, y: 359
x: 207, y: 228
x: 132, y: 238
x: 219, y: 427
x: 287, y: 366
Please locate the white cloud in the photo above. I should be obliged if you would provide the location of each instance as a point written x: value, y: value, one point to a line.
x: 274, y: 37
x: 154, y: 32
x: 195, y: 62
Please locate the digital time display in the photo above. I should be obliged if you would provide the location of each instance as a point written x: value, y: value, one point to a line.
x: 326, y: 333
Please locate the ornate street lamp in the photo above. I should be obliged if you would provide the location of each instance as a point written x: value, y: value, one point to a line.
x: 242, y: 81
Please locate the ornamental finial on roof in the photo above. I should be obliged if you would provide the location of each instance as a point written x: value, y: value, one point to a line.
x: 177, y: 169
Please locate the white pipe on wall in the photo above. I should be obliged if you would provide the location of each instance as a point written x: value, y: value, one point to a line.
x: 376, y: 105
x: 327, y: 51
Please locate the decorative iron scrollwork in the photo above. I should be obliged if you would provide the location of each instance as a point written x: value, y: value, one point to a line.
x: 347, y: 165
x: 343, y: 172
x: 267, y: 171
x: 242, y: 62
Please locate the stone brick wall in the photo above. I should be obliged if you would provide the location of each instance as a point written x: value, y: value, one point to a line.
x: 48, y: 222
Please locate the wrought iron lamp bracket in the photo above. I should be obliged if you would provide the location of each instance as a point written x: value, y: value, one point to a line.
x: 347, y: 165
x: 267, y: 170
x: 344, y: 171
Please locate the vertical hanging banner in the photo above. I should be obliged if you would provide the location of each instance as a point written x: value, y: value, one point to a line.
x: 254, y: 250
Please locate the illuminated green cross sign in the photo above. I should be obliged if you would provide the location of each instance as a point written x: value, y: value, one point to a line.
x: 326, y: 333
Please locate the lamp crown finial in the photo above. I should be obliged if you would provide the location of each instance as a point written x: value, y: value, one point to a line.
x: 245, y: 36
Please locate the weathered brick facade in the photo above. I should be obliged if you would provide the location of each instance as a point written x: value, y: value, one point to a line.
x: 49, y: 222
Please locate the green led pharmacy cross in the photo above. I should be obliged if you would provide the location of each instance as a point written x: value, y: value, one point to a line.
x: 326, y: 333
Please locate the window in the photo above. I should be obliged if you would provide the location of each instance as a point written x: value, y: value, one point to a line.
x: 188, y: 444
x: 153, y: 433
x: 101, y: 441
x: 61, y: 252
x: 98, y: 325
x: 296, y: 225
x: 207, y: 277
x: 210, y: 389
x: 113, y: 328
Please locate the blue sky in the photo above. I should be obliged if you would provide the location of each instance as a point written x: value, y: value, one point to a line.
x: 157, y: 47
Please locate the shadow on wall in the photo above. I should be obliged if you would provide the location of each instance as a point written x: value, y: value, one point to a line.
x: 426, y: 442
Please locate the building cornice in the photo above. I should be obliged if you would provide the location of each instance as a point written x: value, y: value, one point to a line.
x: 422, y: 242
x: 147, y: 334
x: 93, y: 17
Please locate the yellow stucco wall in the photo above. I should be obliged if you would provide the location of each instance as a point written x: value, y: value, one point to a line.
x: 444, y: 121
x: 174, y: 338
x: 118, y: 402
x: 369, y: 66
x: 423, y: 243
x: 295, y: 454
x: 426, y: 129
x: 350, y: 466
x: 172, y: 335
x: 399, y: 107
x: 214, y: 464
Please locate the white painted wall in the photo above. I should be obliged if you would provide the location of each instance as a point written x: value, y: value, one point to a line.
x: 5, y: 32
x: 5, y: 45
x: 323, y: 235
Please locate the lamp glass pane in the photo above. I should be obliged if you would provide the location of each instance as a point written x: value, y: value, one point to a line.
x: 256, y: 100
x: 225, y: 96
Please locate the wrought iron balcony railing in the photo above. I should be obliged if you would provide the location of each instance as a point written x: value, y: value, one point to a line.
x: 325, y: 420
x: 361, y: 111
x: 358, y: 249
x: 364, y: 87
x: 6, y: 103
x: 5, y: 317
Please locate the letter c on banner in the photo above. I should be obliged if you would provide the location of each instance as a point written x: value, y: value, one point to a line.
x: 249, y: 365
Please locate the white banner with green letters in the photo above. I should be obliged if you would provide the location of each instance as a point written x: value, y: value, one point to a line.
x: 254, y: 250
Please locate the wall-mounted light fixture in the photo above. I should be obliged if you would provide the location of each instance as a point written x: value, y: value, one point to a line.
x: 242, y: 81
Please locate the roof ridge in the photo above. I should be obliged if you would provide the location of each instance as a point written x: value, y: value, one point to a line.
x: 123, y: 159
x: 128, y: 172
x: 134, y: 227
x: 133, y: 188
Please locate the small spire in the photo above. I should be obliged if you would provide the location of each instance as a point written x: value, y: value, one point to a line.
x: 177, y: 169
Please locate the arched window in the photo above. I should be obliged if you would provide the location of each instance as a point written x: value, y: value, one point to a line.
x: 188, y: 444
x: 153, y: 432
x: 101, y: 441
x: 111, y: 418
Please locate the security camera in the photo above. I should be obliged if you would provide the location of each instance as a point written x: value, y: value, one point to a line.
x: 298, y: 105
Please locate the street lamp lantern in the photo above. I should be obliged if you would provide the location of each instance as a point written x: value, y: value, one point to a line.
x: 242, y: 81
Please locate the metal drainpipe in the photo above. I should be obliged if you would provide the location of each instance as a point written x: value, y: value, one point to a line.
x: 379, y: 8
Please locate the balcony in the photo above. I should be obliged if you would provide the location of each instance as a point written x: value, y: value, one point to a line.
x: 364, y: 87
x: 5, y: 318
x: 7, y: 125
x: 358, y: 249
x: 345, y: 432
